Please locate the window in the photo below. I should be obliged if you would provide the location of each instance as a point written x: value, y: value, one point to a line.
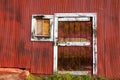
x: 42, y: 28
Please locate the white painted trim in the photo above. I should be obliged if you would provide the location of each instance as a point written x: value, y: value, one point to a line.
x: 55, y: 61
x: 74, y: 44
x: 94, y: 44
x: 76, y: 15
x: 74, y: 72
x: 74, y: 19
x: 51, y: 28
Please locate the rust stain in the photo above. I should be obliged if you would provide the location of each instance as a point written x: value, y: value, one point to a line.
x: 21, y: 48
x: 11, y: 12
x: 1, y: 45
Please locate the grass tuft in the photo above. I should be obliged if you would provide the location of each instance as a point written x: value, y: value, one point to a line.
x: 32, y: 77
x: 64, y: 77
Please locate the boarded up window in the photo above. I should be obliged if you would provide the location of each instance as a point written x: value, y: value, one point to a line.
x: 42, y: 28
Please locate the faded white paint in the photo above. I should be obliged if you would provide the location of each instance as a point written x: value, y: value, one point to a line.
x: 74, y: 15
x: 74, y: 44
x: 55, y: 61
x: 94, y: 18
x: 74, y: 72
x: 70, y: 16
x: 74, y: 19
x: 33, y: 38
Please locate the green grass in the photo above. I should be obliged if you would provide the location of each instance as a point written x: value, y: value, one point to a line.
x: 32, y: 77
x: 64, y: 77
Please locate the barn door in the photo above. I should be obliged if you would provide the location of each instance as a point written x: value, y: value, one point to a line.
x: 73, y: 39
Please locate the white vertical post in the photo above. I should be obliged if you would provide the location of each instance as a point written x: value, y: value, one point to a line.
x: 51, y: 24
x: 94, y: 44
x: 55, y: 44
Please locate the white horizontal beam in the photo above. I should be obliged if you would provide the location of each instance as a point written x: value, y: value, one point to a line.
x: 74, y: 72
x: 74, y: 19
x: 74, y: 44
x: 75, y: 14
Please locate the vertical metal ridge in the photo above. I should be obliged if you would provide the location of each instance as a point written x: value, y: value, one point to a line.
x: 18, y: 29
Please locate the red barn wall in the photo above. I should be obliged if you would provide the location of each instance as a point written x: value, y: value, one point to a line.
x: 16, y: 49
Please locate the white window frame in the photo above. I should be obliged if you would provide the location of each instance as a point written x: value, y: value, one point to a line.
x: 75, y: 15
x: 33, y: 38
x: 83, y: 43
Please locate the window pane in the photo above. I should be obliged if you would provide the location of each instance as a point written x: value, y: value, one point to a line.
x: 46, y: 28
x: 38, y: 27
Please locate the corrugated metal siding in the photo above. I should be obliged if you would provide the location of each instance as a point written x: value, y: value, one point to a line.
x: 15, y: 24
x: 9, y: 34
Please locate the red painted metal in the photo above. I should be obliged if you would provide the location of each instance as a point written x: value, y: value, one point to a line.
x: 16, y: 49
